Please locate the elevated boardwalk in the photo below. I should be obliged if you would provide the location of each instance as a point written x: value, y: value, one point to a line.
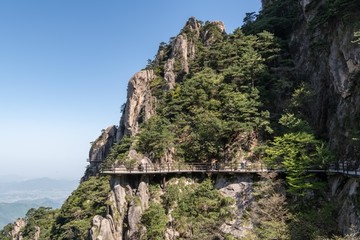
x: 232, y: 168
x: 183, y: 168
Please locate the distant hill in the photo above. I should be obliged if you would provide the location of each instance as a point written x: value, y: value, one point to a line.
x: 17, y: 196
x: 32, y: 189
x: 9, y: 212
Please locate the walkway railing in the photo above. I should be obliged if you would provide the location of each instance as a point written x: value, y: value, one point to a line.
x: 212, y: 168
x: 182, y: 168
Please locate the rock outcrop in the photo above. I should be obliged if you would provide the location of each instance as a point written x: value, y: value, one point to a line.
x: 325, y: 56
x: 346, y: 192
x: 103, y: 228
x: 140, y: 104
x: 98, y: 151
x: 129, y: 199
x: 18, y: 226
x: 101, y: 146
x: 183, y: 50
x: 240, y: 189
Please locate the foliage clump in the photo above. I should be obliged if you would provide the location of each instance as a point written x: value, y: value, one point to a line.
x: 119, y: 153
x: 155, y: 220
x: 335, y: 10
x: 296, y: 149
x: 201, y: 211
x: 155, y: 138
x: 88, y: 200
x: 196, y: 209
x: 269, y: 210
x: 216, y: 103
x: 39, y: 220
x: 278, y: 17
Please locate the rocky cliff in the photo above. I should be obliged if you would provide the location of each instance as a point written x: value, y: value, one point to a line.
x: 325, y: 56
x: 140, y: 104
x: 130, y: 195
x: 220, y: 75
x: 98, y: 151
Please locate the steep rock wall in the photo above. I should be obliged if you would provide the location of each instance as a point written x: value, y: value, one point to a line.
x: 183, y: 50
x: 326, y: 57
x: 240, y: 189
x: 98, y: 151
x: 129, y: 198
x: 18, y: 226
x: 345, y: 191
x: 140, y: 104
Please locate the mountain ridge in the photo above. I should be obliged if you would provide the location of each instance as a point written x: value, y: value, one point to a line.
x: 250, y: 96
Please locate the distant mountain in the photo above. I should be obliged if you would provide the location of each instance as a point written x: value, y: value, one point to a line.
x: 38, y: 183
x: 11, y: 178
x: 17, y: 196
x: 9, y: 212
x: 12, y: 191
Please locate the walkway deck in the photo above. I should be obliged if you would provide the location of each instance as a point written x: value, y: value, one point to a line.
x: 208, y: 168
x: 182, y: 168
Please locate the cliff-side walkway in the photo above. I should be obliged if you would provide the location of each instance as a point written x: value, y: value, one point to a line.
x: 215, y: 168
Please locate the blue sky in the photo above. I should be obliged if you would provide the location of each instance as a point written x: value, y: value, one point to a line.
x: 64, y: 68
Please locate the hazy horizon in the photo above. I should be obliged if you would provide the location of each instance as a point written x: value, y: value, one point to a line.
x: 64, y: 69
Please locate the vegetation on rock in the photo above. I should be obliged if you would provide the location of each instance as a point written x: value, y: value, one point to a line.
x: 74, y: 219
x: 239, y: 99
x: 269, y: 210
x: 197, y: 210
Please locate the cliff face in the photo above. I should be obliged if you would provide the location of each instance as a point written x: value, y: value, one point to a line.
x: 130, y: 196
x: 325, y: 56
x: 140, y: 104
x: 346, y: 192
x: 98, y: 151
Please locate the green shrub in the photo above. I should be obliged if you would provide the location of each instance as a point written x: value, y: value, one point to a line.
x: 201, y: 211
x: 88, y: 200
x: 155, y: 220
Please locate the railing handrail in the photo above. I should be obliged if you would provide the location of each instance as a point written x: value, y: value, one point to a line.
x: 213, y: 167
